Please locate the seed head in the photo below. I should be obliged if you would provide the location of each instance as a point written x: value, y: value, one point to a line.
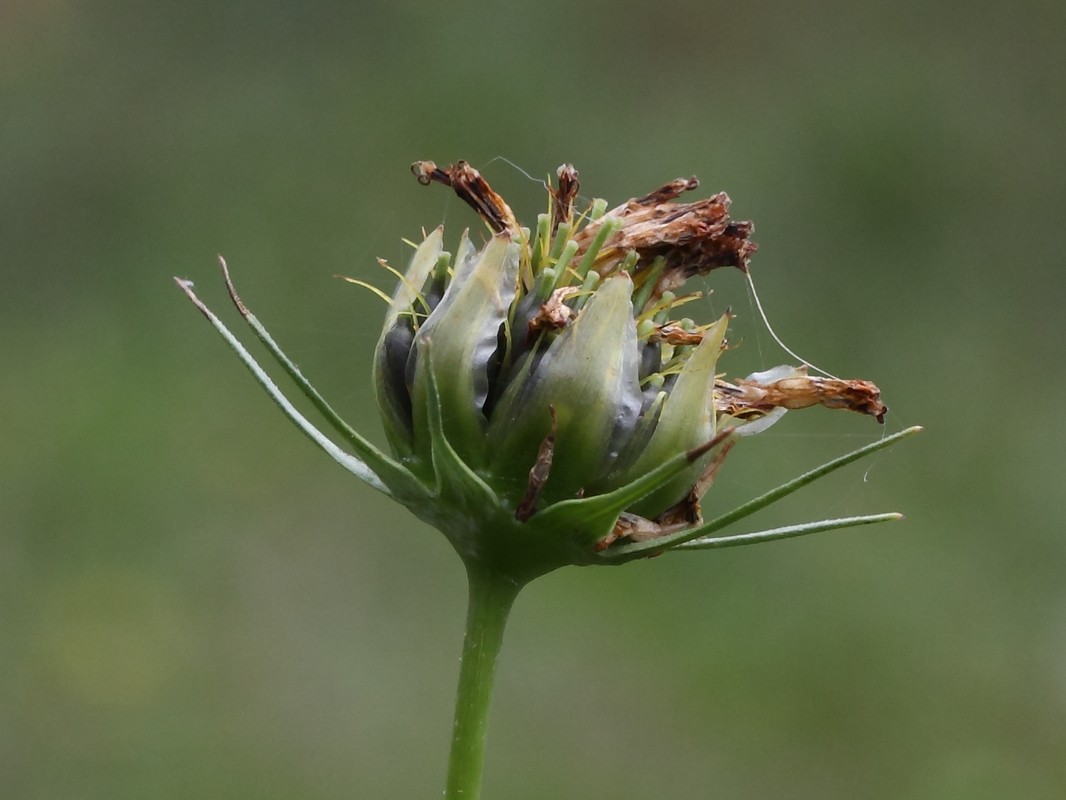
x: 544, y: 401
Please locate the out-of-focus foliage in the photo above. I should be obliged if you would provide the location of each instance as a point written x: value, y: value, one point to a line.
x: 195, y: 602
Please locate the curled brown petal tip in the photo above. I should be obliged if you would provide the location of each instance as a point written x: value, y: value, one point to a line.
x: 472, y: 189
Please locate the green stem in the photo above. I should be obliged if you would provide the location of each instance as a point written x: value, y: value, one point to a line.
x: 491, y: 597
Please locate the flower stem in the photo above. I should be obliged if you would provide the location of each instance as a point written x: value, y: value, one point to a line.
x: 491, y: 597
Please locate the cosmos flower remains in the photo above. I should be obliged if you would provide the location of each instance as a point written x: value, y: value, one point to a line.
x: 543, y: 403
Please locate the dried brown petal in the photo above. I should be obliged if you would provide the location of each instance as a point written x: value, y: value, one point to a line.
x: 674, y: 334
x: 691, y: 238
x: 742, y: 398
x: 472, y: 189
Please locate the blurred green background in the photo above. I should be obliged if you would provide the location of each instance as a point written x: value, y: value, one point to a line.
x: 194, y: 602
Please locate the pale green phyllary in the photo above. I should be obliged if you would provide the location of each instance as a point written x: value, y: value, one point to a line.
x: 545, y: 406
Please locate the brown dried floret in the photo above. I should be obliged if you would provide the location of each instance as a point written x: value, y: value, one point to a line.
x: 741, y: 398
x: 690, y: 238
x: 563, y: 197
x: 474, y: 190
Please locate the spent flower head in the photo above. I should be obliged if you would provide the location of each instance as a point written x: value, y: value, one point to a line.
x: 545, y: 401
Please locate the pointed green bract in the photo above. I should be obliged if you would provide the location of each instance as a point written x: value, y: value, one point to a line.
x: 627, y: 552
x: 405, y: 483
x: 461, y: 500
x: 400, y: 481
x: 784, y: 532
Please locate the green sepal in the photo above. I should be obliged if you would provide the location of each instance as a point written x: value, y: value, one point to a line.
x: 589, y: 375
x: 464, y: 329
x: 687, y: 420
x: 409, y: 290
x: 393, y: 398
x: 457, y: 489
x: 482, y: 529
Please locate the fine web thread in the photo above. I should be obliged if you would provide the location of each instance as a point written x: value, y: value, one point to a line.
x: 757, y: 304
x: 517, y: 169
x: 539, y: 181
x: 773, y: 334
